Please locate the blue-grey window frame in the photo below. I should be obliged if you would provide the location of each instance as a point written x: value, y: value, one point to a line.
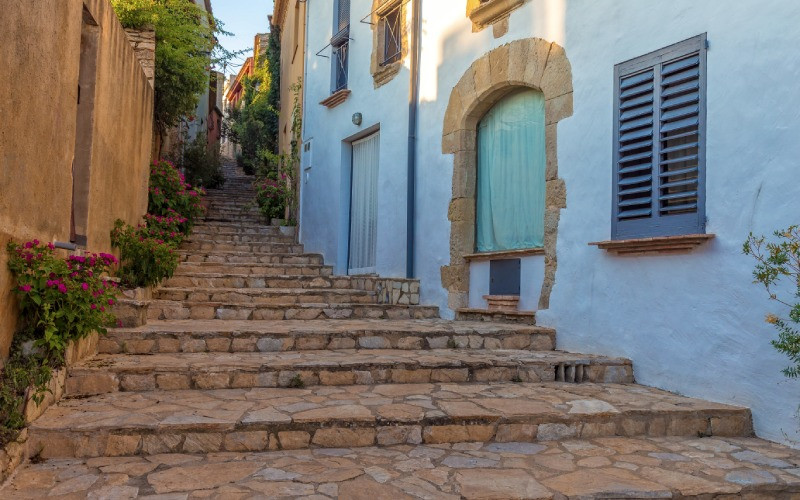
x: 340, y: 45
x: 657, y: 225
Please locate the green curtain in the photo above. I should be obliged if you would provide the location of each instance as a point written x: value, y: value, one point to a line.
x: 511, y: 170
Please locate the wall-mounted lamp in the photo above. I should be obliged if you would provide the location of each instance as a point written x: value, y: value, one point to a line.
x: 357, y: 118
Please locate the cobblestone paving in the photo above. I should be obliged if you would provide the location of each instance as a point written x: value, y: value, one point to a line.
x: 607, y: 467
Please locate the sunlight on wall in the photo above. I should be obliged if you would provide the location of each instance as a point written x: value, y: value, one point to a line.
x: 554, y: 13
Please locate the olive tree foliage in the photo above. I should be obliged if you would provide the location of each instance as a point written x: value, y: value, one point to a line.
x: 778, y: 261
x: 186, y: 48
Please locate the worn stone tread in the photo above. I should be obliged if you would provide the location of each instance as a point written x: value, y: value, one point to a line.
x: 107, y: 373
x: 123, y: 423
x: 666, y: 467
x: 243, y: 335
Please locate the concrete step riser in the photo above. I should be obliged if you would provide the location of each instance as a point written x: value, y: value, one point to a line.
x: 176, y: 311
x: 338, y: 433
x: 255, y: 261
x: 84, y: 382
x: 200, y: 246
x: 117, y: 342
x: 267, y: 297
x: 237, y: 239
x: 261, y: 271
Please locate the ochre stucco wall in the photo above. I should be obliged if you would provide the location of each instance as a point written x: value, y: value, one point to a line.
x: 291, y: 16
x: 41, y: 43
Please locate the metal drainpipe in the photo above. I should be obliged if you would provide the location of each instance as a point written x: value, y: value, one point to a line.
x: 413, y: 104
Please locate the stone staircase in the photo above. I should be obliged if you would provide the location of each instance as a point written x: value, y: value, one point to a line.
x: 261, y: 374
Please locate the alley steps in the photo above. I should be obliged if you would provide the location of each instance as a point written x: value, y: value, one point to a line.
x: 168, y: 310
x: 261, y: 374
x: 270, y: 336
x: 257, y: 419
x: 128, y: 372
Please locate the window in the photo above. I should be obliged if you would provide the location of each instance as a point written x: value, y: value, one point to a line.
x: 659, y: 143
x: 340, y: 44
x: 392, y: 35
x: 511, y: 174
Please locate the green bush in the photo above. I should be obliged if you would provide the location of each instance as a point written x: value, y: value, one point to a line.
x: 171, y: 194
x: 61, y: 299
x: 777, y: 261
x: 272, y: 196
x: 145, y: 259
x: 203, y: 167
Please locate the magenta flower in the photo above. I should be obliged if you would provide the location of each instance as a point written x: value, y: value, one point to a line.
x: 85, y: 286
x: 62, y: 288
x: 25, y: 288
x: 94, y: 306
x: 111, y: 302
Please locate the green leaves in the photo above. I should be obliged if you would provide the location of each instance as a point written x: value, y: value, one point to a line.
x: 776, y: 261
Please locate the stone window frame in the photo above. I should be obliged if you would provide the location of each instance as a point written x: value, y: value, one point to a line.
x: 525, y: 63
x: 484, y: 13
x: 384, y: 73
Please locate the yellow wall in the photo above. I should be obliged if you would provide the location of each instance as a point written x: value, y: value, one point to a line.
x: 41, y: 44
x: 291, y: 15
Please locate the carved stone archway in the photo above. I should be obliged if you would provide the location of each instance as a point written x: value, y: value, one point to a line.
x: 529, y: 62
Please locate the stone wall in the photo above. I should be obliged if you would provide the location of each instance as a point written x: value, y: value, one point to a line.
x: 38, y: 146
x: 144, y: 45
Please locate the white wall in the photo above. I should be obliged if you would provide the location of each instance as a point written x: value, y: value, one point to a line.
x: 692, y: 323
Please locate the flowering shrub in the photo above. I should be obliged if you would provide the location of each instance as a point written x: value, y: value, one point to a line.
x: 146, y: 257
x: 170, y: 194
x: 777, y: 261
x: 164, y: 227
x: 272, y: 196
x: 61, y: 299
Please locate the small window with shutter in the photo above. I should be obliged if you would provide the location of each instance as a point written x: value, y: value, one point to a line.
x: 659, y: 143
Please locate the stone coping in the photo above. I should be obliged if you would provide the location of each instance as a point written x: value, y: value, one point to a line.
x: 505, y: 254
x: 658, y: 245
x: 490, y: 11
x: 594, y: 468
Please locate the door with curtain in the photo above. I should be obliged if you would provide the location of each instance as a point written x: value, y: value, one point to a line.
x: 511, y: 174
x: 364, y: 205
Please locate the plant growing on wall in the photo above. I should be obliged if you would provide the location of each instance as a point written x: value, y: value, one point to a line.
x: 60, y: 300
x: 185, y: 50
x: 778, y: 262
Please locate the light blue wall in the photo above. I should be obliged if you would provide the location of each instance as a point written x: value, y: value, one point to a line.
x: 692, y: 323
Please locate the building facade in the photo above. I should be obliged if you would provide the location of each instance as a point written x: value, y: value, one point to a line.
x: 70, y: 168
x: 289, y: 17
x: 602, y: 161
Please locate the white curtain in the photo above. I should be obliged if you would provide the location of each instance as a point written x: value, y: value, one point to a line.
x: 511, y: 174
x: 364, y: 205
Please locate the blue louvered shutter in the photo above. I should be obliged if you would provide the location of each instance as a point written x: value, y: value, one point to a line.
x: 659, y: 143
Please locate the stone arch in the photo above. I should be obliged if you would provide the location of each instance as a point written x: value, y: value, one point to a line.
x: 529, y: 62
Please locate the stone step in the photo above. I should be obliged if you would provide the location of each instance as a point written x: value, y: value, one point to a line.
x: 239, y: 219
x: 168, y: 310
x: 168, y: 372
x: 256, y: 260
x: 611, y: 467
x: 237, y: 239
x: 267, y: 296
x: 207, y: 421
x: 253, y: 336
x: 210, y: 246
x: 186, y: 278
x: 220, y: 230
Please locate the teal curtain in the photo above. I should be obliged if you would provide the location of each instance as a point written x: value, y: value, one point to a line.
x: 511, y: 170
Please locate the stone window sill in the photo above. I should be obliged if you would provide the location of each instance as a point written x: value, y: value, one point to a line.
x: 657, y: 245
x: 489, y: 12
x: 336, y: 98
x: 504, y: 254
x: 386, y: 73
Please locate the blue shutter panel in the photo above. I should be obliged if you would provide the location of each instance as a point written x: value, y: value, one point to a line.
x: 659, y: 143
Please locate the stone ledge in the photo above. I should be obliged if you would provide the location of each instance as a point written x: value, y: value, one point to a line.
x: 660, y: 245
x: 470, y: 314
x: 386, y: 73
x: 524, y: 252
x: 490, y: 11
x: 336, y: 98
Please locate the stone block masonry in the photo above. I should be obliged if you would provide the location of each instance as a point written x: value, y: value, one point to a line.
x: 144, y: 45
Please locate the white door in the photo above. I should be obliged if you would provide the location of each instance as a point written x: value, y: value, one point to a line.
x: 364, y: 205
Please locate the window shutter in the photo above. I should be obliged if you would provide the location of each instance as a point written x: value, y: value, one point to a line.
x: 342, y: 14
x: 659, y: 145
